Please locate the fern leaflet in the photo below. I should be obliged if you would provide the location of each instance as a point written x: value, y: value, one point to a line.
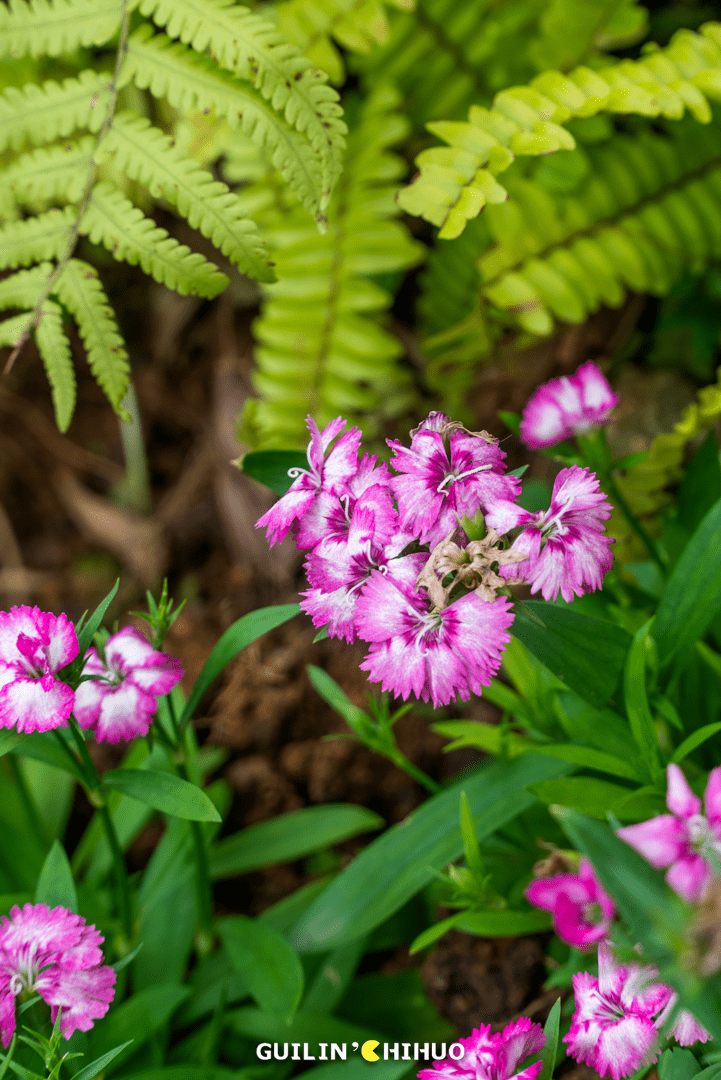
x: 57, y: 358
x: 57, y: 173
x: 24, y: 289
x: 147, y: 155
x: 38, y: 238
x: 79, y: 289
x: 52, y: 27
x: 39, y: 114
x: 113, y: 221
x: 249, y: 45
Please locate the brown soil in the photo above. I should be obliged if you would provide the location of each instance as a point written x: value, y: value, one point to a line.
x: 65, y: 536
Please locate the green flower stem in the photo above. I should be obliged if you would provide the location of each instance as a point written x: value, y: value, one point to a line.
x: 399, y: 759
x: 203, y: 884
x: 92, y: 782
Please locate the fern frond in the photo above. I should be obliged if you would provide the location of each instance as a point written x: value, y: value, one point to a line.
x: 80, y: 291
x: 193, y: 82
x: 113, y: 221
x: 39, y: 114
x: 53, y: 27
x: 571, y: 30
x: 457, y: 181
x: 323, y: 348
x: 147, y: 155
x: 11, y: 330
x: 250, y: 46
x: 356, y: 25
x: 38, y: 238
x: 59, y: 172
x: 25, y: 288
x: 57, y: 357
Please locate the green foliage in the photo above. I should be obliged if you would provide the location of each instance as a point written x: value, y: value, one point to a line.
x: 322, y: 346
x: 226, y: 59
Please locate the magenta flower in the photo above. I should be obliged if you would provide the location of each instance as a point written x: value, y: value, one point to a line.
x: 330, y: 515
x: 566, y: 407
x: 566, y: 549
x: 684, y: 841
x: 338, y: 568
x: 329, y: 470
x: 55, y: 954
x: 613, y: 1028
x: 686, y: 1029
x: 34, y: 646
x: 430, y: 653
x: 444, y: 475
x: 493, y: 1057
x: 582, y: 911
x: 119, y: 703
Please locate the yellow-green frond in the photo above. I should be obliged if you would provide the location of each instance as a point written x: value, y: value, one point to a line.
x: 52, y: 27
x: 39, y: 114
x: 37, y: 238
x: 57, y: 357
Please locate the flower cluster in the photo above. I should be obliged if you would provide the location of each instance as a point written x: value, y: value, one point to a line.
x: 566, y: 407
x: 55, y: 954
x: 117, y: 697
x: 493, y: 1057
x: 417, y: 561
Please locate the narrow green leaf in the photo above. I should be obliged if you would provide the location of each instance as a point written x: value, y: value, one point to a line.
x: 694, y: 740
x: 701, y: 486
x: 42, y: 746
x: 9, y: 740
x: 96, y: 1067
x: 85, y: 636
x: 163, y: 791
x: 55, y: 886
x: 678, y: 1064
x: 404, y: 859
x: 270, y: 467
x: 636, y: 700
x: 503, y: 923
x: 471, y: 847
x: 692, y: 595
x: 289, y: 836
x: 550, y: 1049
x: 588, y: 794
x: 266, y: 961
x: 236, y: 637
x: 586, y: 654
x: 331, y: 692
x: 432, y: 933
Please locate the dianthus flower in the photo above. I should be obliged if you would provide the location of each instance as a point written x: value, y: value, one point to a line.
x: 34, y: 646
x: 684, y: 840
x: 338, y: 568
x: 493, y: 1057
x: 581, y: 910
x: 328, y: 470
x: 434, y: 654
x: 566, y: 407
x: 444, y: 474
x: 330, y: 515
x: 618, y: 1016
x: 121, y: 699
x: 55, y: 954
x: 566, y: 549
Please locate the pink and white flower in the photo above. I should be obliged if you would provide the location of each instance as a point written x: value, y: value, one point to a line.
x: 330, y: 515
x: 34, y: 647
x: 685, y: 840
x: 434, y: 654
x: 445, y: 475
x: 121, y: 699
x: 686, y: 1029
x: 55, y: 954
x: 338, y: 568
x: 566, y: 549
x: 566, y: 407
x: 328, y: 470
x: 613, y: 1028
x: 581, y: 910
x: 493, y: 1057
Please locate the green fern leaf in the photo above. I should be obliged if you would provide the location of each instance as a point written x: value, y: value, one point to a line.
x: 25, y: 288
x: 193, y: 82
x: 42, y: 237
x: 249, y: 45
x: 11, y: 330
x: 39, y: 114
x: 147, y: 155
x: 113, y: 221
x: 59, y: 172
x: 571, y: 30
x: 81, y: 292
x: 457, y: 181
x: 57, y: 358
x: 52, y: 27
x: 322, y: 347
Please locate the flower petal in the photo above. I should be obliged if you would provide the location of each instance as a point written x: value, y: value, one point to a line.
x: 680, y: 800
x: 661, y: 840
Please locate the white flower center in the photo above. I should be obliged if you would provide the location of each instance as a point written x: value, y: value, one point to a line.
x: 702, y: 838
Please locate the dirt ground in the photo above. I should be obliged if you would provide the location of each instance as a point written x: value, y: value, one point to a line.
x: 65, y: 536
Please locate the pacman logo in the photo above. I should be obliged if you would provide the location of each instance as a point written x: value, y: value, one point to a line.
x: 368, y: 1050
